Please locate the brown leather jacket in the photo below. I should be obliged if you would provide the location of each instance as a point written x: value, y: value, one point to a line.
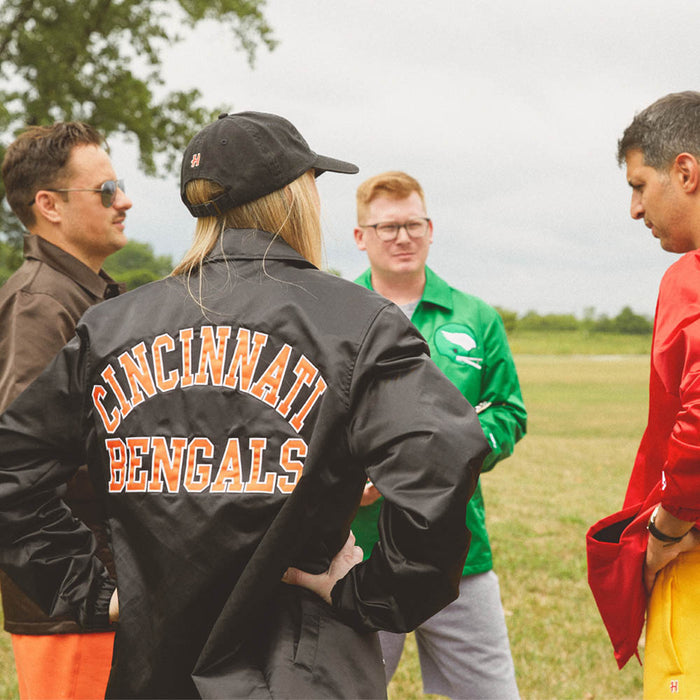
x: 40, y: 306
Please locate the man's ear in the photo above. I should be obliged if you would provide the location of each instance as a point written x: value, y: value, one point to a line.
x: 360, y: 239
x: 46, y: 206
x: 687, y: 170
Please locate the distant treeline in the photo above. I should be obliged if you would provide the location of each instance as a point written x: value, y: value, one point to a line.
x: 137, y: 264
x: 626, y: 322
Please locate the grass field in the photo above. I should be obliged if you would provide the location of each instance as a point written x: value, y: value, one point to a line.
x: 586, y: 416
x: 578, y: 343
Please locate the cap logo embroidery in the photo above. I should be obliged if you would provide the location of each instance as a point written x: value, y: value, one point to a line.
x: 194, y: 163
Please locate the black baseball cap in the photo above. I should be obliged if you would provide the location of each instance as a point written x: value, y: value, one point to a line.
x: 249, y: 154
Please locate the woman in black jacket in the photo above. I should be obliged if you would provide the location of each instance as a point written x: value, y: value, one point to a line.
x: 230, y: 416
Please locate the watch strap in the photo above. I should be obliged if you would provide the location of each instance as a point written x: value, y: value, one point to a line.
x: 655, y: 532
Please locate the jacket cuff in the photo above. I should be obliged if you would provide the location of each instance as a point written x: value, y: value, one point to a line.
x: 343, y: 604
x: 691, y: 515
x: 95, y: 615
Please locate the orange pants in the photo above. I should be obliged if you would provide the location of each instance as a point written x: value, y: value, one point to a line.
x: 66, y: 666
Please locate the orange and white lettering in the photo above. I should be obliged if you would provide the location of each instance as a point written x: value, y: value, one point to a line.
x: 117, y: 464
x: 166, y: 467
x: 294, y: 445
x: 138, y: 476
x: 138, y: 373
x: 212, y: 355
x: 305, y: 372
x: 244, y: 360
x: 110, y: 421
x: 229, y: 477
x: 124, y: 405
x: 257, y: 447
x: 186, y: 335
x: 267, y: 388
x: 298, y: 420
x: 163, y: 342
x: 198, y: 476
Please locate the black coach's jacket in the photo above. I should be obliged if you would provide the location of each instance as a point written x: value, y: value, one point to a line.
x: 230, y: 421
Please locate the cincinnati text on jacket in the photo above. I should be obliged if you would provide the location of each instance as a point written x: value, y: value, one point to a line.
x: 154, y: 464
x: 141, y: 372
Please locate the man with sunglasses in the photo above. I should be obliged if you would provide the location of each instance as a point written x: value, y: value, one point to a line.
x: 464, y: 649
x: 60, y: 183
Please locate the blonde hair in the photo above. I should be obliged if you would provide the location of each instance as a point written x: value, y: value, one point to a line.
x: 292, y: 213
x: 394, y: 184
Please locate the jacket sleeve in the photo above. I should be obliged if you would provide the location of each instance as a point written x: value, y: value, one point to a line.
x: 421, y: 445
x: 503, y: 418
x: 676, y: 363
x: 34, y: 328
x: 47, y: 552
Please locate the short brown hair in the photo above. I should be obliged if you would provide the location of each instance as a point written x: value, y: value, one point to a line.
x: 669, y: 126
x: 394, y: 183
x: 38, y: 159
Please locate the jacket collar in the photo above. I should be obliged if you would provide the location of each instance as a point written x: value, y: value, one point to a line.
x: 100, y: 286
x: 436, y: 290
x: 253, y: 244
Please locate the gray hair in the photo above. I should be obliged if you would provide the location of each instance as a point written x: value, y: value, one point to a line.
x: 669, y: 126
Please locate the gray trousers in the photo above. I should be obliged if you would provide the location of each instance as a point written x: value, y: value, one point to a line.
x: 464, y: 650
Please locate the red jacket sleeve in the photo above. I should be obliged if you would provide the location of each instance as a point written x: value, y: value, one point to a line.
x: 676, y: 363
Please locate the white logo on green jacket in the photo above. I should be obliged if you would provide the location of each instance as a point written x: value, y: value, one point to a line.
x: 456, y: 342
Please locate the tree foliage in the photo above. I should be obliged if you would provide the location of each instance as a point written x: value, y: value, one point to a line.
x: 99, y: 61
x: 136, y: 264
x: 554, y: 322
x: 626, y: 322
x: 10, y: 260
x: 509, y: 318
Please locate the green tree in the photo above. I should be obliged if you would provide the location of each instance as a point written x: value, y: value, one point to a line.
x: 509, y: 318
x: 588, y: 321
x: 100, y: 61
x: 10, y: 260
x: 532, y: 321
x: 136, y: 264
x: 626, y: 322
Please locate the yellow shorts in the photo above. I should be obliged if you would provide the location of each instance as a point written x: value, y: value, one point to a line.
x: 672, y: 649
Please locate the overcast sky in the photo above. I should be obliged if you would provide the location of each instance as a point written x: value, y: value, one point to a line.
x: 507, y: 112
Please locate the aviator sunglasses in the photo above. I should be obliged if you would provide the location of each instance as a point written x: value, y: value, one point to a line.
x: 107, y: 190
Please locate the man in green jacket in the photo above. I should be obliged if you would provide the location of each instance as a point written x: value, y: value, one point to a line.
x: 464, y: 649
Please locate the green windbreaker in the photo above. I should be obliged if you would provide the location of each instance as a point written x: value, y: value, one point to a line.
x: 468, y: 343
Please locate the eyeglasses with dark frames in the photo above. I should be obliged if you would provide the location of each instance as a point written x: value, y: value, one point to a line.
x: 388, y: 230
x: 108, y: 191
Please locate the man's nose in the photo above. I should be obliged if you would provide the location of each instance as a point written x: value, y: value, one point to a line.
x: 636, y: 208
x: 122, y: 201
x: 402, y: 237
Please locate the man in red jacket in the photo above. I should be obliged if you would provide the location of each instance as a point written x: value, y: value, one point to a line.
x: 661, y: 150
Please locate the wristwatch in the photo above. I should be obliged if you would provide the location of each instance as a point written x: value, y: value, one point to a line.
x: 655, y: 532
